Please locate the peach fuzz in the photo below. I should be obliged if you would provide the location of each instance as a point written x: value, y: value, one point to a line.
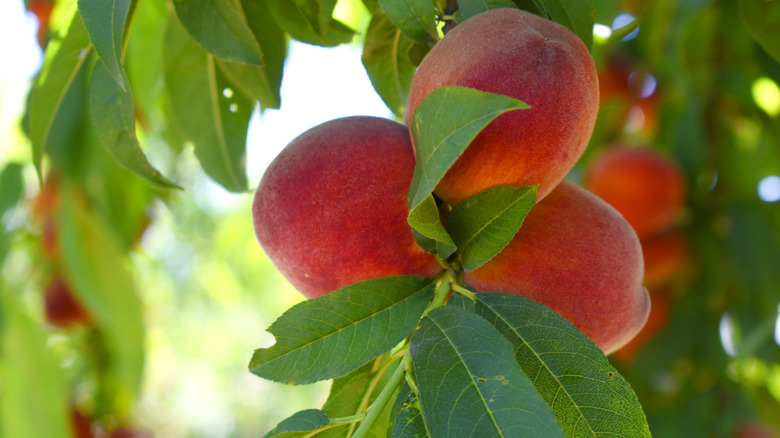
x: 646, y: 187
x: 521, y: 55
x: 576, y: 255
x: 331, y: 208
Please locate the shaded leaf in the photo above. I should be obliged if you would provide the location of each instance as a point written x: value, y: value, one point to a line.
x: 407, y: 418
x: 585, y: 391
x: 111, y: 110
x: 470, y: 8
x: 64, y: 57
x: 302, y: 421
x: 763, y: 20
x: 425, y: 220
x: 215, y: 123
x: 415, y: 18
x: 577, y: 15
x: 443, y: 125
x: 220, y: 29
x: 105, y: 24
x: 470, y: 383
x: 485, y: 223
x: 95, y: 264
x: 386, y: 59
x: 336, y: 333
x: 289, y: 16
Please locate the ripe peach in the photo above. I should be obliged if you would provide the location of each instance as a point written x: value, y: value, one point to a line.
x: 622, y: 84
x: 518, y: 54
x: 61, y: 308
x: 644, y: 186
x: 666, y: 257
x: 331, y: 208
x: 576, y: 255
x: 660, y: 308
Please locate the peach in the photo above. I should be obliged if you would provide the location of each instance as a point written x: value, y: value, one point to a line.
x: 660, y: 308
x: 646, y: 187
x: 666, y: 257
x: 518, y: 54
x: 576, y: 255
x: 331, y: 208
x: 61, y: 308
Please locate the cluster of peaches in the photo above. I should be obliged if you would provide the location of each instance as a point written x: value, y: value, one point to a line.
x: 331, y: 210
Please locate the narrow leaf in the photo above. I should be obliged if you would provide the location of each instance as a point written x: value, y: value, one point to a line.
x: 407, y: 417
x: 293, y: 21
x: 33, y: 385
x: 94, y: 262
x: 425, y: 220
x: 220, y: 29
x: 763, y: 19
x: 577, y: 15
x: 386, y: 59
x: 470, y: 383
x: 586, y: 393
x: 65, y: 54
x: 213, y: 119
x: 111, y: 109
x: 334, y: 334
x: 470, y: 8
x: 443, y: 125
x: 105, y: 23
x: 302, y: 421
x: 485, y: 223
x: 415, y: 18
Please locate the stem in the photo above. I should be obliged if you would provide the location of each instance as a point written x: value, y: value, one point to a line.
x: 442, y: 291
x: 621, y: 32
x: 349, y: 419
x: 465, y: 292
x: 379, y: 404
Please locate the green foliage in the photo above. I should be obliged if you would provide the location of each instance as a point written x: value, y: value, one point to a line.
x: 107, y: 36
x: 415, y: 18
x: 426, y: 221
x: 303, y: 421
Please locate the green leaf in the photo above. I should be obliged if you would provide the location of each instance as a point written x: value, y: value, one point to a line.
x: 415, y: 18
x: 143, y: 60
x: 755, y: 249
x: 425, y: 220
x: 262, y: 83
x: 586, y: 393
x: 105, y: 23
x: 302, y: 421
x: 290, y: 17
x: 113, y: 117
x: 34, y: 401
x: 220, y: 29
x: 470, y: 383
x: 485, y: 223
x: 11, y: 187
x: 215, y: 123
x: 470, y: 8
x: 65, y: 54
x: 317, y: 13
x: 329, y: 336
x: 577, y: 15
x: 386, y: 59
x: 407, y: 417
x: 763, y: 19
x: 95, y: 264
x: 443, y: 125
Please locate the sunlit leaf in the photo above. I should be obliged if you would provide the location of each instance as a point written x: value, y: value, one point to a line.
x: 577, y: 15
x: 289, y: 16
x: 334, y: 334
x: 105, y: 23
x: 415, y: 18
x: 585, y: 391
x: 470, y: 383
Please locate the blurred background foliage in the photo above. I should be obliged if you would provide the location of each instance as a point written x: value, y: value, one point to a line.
x: 178, y: 293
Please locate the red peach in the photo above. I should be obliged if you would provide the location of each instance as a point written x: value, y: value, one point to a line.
x: 521, y: 55
x: 331, y: 209
x: 666, y: 257
x: 576, y: 255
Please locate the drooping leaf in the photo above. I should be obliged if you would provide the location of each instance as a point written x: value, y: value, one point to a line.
x: 220, y: 29
x: 33, y: 385
x: 11, y: 186
x: 289, y: 16
x: 577, y: 15
x: 111, y: 110
x: 425, y: 220
x: 470, y: 8
x: 470, y: 383
x: 317, y: 14
x: 302, y: 421
x: 415, y: 18
x: 585, y: 391
x: 95, y: 265
x: 105, y: 23
x: 253, y: 82
x: 386, y: 59
x: 64, y: 57
x: 485, y: 223
x: 407, y: 419
x: 763, y: 19
x: 214, y: 120
x: 443, y: 125
x: 330, y: 336
x: 144, y: 60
